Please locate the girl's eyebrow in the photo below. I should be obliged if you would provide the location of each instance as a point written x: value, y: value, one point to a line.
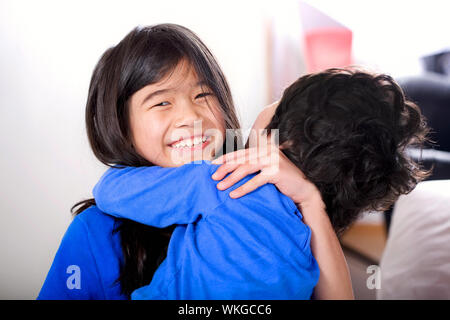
x: 159, y: 92
x: 154, y: 94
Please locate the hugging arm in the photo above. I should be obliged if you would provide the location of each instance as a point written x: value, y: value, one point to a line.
x: 156, y: 196
x: 334, y: 281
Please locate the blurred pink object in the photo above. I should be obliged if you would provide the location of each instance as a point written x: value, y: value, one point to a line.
x: 327, y: 43
x: 327, y: 48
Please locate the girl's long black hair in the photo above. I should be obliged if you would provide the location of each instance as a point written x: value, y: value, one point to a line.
x: 143, y: 57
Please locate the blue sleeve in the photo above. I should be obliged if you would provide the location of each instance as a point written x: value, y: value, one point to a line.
x: 73, y: 274
x: 157, y: 196
x: 253, y: 247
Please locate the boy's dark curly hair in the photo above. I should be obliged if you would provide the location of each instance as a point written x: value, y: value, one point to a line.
x: 347, y: 131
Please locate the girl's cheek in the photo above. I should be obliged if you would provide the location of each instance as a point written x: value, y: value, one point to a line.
x: 148, y: 137
x: 217, y: 118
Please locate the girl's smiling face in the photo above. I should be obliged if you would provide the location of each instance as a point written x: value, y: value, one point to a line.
x: 176, y: 120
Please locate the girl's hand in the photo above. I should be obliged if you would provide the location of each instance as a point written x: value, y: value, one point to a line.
x: 275, y: 168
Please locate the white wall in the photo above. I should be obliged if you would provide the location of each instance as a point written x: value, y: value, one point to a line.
x: 48, y: 51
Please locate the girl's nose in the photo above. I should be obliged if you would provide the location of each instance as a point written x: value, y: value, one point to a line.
x: 186, y: 115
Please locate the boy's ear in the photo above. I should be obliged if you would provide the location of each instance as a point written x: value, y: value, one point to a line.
x: 285, y: 145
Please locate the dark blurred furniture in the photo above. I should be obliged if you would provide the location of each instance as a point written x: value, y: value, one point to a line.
x: 438, y: 63
x: 431, y: 91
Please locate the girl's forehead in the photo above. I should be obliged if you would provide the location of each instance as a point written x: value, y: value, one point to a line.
x: 183, y: 74
x: 182, y: 78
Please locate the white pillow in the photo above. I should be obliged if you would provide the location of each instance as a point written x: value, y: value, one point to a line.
x: 416, y: 261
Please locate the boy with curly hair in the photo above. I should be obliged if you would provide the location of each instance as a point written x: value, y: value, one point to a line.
x: 348, y: 131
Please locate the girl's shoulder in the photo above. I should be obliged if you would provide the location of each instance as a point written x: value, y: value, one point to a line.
x: 96, y: 220
x: 100, y: 231
x: 87, y: 262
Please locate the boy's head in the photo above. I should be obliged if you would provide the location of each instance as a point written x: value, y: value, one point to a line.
x: 347, y: 131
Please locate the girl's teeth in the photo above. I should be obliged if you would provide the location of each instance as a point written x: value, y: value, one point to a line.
x: 189, y: 143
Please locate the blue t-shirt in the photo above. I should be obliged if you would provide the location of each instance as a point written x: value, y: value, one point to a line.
x: 253, y: 247
x: 87, y: 263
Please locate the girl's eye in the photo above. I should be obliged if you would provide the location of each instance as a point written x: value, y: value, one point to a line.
x: 203, y: 95
x: 162, y: 104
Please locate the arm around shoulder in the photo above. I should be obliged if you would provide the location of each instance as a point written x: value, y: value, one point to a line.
x: 157, y: 196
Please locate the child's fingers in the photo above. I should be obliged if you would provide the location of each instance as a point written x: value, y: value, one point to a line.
x: 237, y: 175
x: 251, y: 156
x: 223, y: 170
x: 254, y: 183
x: 230, y: 156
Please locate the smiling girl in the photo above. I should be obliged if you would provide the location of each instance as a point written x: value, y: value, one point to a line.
x: 146, y: 98
x: 169, y: 111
